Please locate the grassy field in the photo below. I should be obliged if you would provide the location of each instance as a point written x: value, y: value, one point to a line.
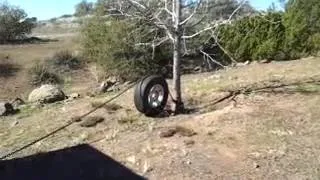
x: 272, y: 134
x: 17, y: 60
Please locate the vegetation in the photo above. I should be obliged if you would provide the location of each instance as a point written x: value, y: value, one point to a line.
x: 83, y: 8
x: 42, y: 73
x: 287, y: 35
x: 302, y: 22
x: 64, y: 61
x: 14, y: 23
x: 255, y: 38
x: 48, y: 71
x: 114, y: 44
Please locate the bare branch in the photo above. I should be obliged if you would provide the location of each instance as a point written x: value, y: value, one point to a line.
x: 154, y: 43
x: 200, y: 32
x: 214, y: 61
x: 167, y: 9
x: 193, y: 13
x: 137, y: 4
x: 223, y: 49
x: 236, y: 10
x: 162, y: 25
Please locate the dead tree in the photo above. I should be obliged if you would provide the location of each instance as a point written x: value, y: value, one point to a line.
x: 171, y: 17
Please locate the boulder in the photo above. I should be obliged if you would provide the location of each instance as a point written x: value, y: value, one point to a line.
x: 6, y: 109
x: 110, y: 85
x: 264, y: 61
x: 47, y: 94
x: 74, y: 96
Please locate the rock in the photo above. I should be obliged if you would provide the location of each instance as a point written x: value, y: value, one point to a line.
x: 74, y: 96
x: 182, y: 131
x: 189, y: 142
x: 76, y: 119
x: 132, y: 159
x: 91, y: 121
x: 264, y: 61
x: 168, y: 133
x: 6, y: 109
x: 14, y: 123
x: 189, y: 162
x: 256, y: 165
x: 246, y: 63
x: 171, y: 131
x: 47, y: 94
x: 197, y: 69
x: 111, y: 84
x: 146, y: 167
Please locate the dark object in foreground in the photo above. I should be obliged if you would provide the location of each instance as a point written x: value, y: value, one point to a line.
x: 82, y: 162
x: 6, y: 109
x: 151, y: 95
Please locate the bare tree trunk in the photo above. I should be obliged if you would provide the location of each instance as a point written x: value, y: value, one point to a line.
x: 177, y: 36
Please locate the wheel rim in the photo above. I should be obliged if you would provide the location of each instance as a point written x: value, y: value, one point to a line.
x: 156, y: 96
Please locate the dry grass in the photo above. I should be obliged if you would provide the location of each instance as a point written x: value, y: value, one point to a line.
x: 272, y: 135
x: 22, y: 59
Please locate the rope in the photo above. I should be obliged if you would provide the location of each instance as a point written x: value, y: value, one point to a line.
x: 66, y: 125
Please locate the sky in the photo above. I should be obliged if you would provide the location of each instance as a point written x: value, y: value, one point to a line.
x: 47, y: 9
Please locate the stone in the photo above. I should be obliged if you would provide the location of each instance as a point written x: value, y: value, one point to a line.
x: 264, y: 61
x: 146, y: 167
x: 14, y: 123
x: 189, y: 142
x: 168, y: 133
x: 47, y: 94
x: 6, y: 109
x: 111, y: 84
x: 74, y: 96
x: 91, y: 121
x: 132, y: 159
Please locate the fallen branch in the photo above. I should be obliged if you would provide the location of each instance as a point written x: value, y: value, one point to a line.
x: 232, y: 94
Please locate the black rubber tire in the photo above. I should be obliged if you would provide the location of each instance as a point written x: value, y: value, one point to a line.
x: 141, y: 93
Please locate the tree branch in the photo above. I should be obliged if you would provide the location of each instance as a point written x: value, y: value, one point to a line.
x: 137, y: 4
x: 193, y: 13
x: 214, y: 61
x: 200, y: 32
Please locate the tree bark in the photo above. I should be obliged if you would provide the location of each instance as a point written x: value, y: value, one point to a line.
x: 177, y: 36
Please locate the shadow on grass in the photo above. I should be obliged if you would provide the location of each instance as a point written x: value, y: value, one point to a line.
x: 82, y: 162
x: 8, y: 69
x: 31, y: 40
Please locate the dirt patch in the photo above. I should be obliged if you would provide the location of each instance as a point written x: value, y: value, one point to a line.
x: 259, y: 135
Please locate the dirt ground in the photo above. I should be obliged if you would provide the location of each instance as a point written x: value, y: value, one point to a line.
x: 260, y: 135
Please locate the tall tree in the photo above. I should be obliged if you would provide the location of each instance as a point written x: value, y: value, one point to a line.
x: 84, y: 8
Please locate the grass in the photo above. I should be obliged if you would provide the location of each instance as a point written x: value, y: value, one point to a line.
x: 253, y: 75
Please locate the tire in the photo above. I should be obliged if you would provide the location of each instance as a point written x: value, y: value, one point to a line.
x: 143, y: 99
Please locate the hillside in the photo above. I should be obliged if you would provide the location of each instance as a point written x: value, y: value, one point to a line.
x: 271, y: 134
x: 250, y: 88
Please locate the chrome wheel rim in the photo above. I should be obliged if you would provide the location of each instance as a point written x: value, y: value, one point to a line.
x: 156, y: 96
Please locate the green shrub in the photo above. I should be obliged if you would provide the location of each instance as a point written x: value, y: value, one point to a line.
x: 254, y: 38
x: 113, y: 44
x: 64, y: 61
x: 14, y: 23
x: 302, y: 22
x: 41, y: 73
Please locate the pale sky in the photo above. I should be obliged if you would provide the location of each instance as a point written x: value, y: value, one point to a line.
x: 46, y: 9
